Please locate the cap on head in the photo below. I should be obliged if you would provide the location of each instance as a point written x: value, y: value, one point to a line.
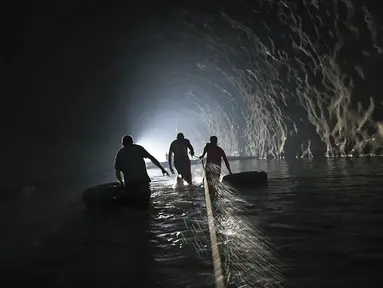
x: 213, y: 139
x: 180, y: 136
x: 127, y: 140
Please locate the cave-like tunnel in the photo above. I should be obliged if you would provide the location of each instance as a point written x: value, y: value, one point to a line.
x: 270, y: 79
x: 292, y: 85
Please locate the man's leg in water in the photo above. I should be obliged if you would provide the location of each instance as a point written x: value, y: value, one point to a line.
x: 183, y: 168
x: 188, y: 175
x: 178, y: 167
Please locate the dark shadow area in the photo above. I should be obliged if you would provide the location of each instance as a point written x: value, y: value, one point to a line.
x: 97, y: 248
x: 50, y: 240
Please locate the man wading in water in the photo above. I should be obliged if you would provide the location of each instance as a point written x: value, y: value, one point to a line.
x: 215, y: 154
x: 179, y: 148
x: 131, y: 164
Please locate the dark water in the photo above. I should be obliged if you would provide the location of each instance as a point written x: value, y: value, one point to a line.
x: 321, y: 219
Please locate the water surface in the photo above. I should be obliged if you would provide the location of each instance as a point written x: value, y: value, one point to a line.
x: 320, y: 221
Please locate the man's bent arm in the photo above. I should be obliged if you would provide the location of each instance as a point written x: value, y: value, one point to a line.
x: 118, y: 176
x: 170, y: 154
x: 226, y: 162
x: 204, y: 152
x: 190, y: 148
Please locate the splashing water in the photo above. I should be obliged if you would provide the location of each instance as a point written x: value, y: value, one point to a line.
x: 286, y: 62
x: 247, y: 254
x: 249, y: 258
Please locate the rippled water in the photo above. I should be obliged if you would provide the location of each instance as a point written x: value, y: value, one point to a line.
x: 318, y: 224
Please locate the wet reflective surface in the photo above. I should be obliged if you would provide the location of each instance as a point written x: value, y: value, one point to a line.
x: 318, y: 224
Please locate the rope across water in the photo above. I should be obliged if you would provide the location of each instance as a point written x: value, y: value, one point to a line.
x: 217, y: 264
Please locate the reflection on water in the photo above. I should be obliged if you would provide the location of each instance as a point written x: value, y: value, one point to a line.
x: 318, y: 224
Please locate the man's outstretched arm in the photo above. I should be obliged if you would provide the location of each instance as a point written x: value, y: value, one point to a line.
x: 155, y: 162
x: 204, y: 152
x: 158, y: 164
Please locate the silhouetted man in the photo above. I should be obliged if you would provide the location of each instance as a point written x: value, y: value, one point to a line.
x: 179, y: 148
x: 215, y: 154
x: 131, y: 164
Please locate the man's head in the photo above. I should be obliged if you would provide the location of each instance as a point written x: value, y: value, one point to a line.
x: 127, y: 140
x: 180, y: 136
x: 214, y: 140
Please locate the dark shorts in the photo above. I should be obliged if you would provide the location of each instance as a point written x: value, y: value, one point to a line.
x: 183, y: 166
x: 139, y: 187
